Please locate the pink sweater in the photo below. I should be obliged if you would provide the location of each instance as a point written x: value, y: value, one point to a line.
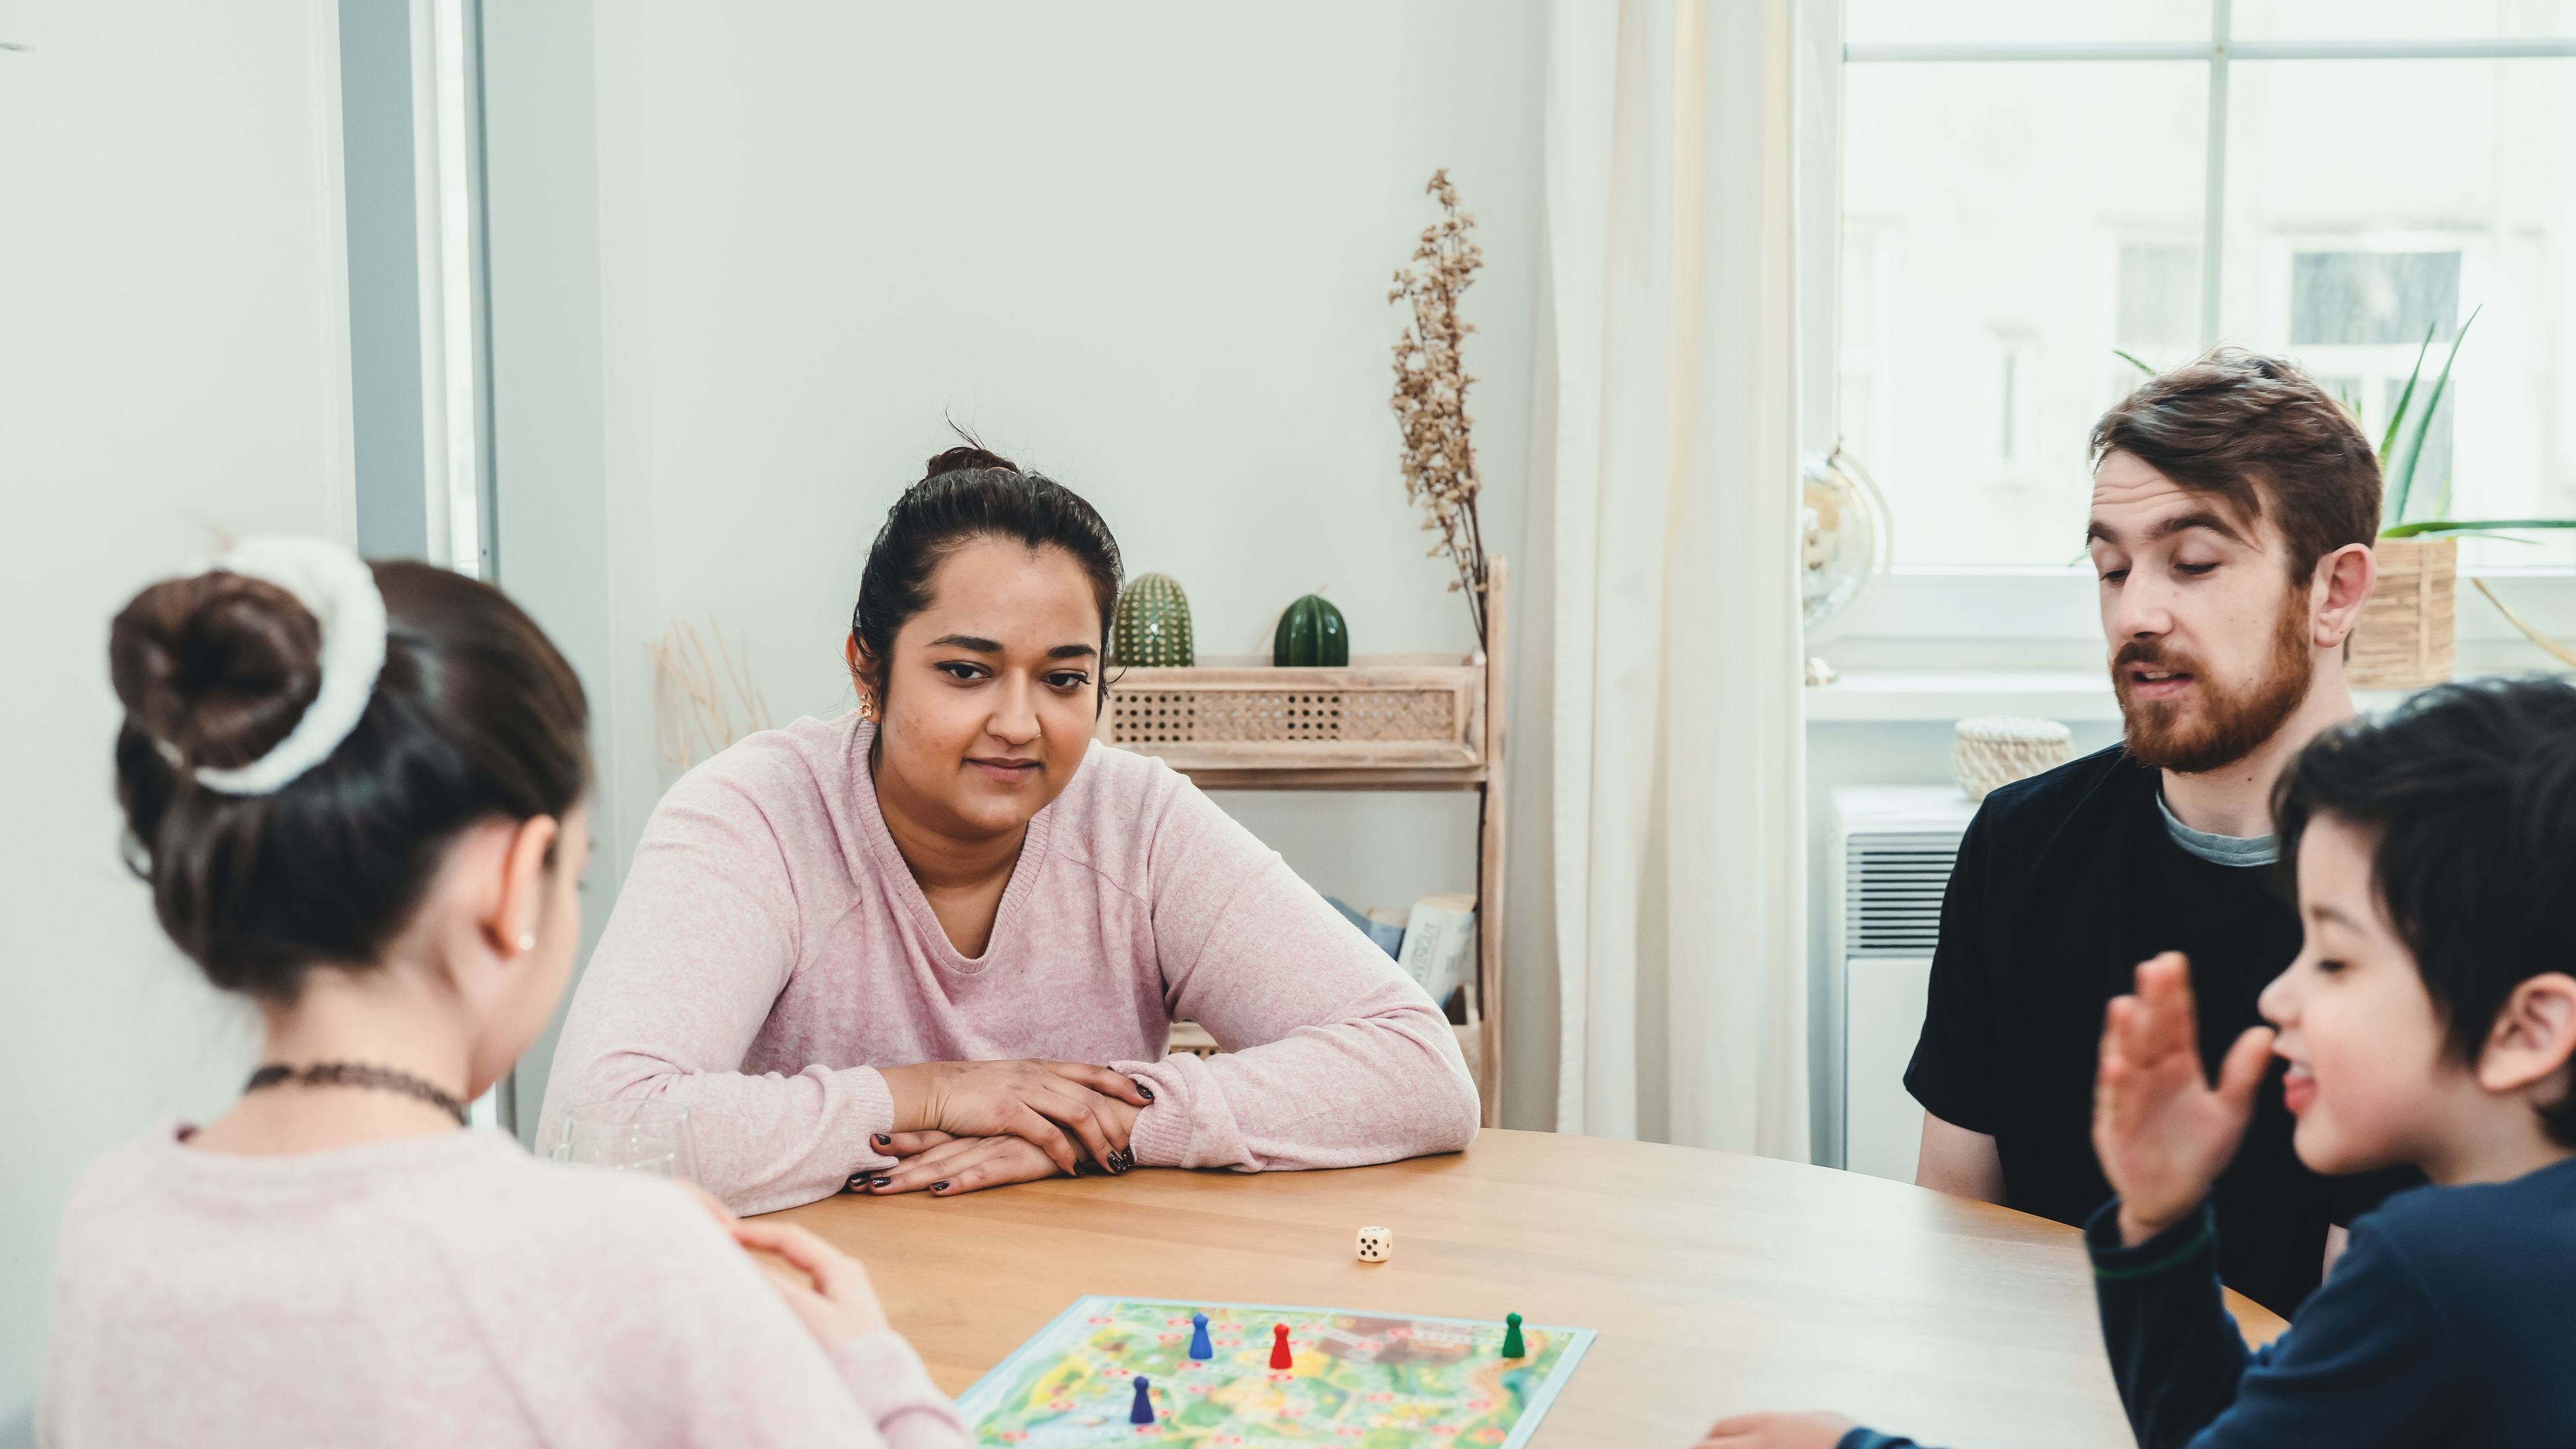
x: 770, y: 948
x: 435, y: 1291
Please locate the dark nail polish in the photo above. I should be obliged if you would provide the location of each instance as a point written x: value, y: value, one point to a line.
x: 939, y: 1187
x: 857, y: 1180
x: 884, y: 1141
x: 1145, y: 1091
x: 881, y: 1182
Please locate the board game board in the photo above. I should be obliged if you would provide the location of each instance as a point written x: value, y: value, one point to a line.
x: 1362, y: 1380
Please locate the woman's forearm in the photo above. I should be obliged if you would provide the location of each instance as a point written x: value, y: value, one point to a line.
x: 763, y: 1142
x: 1373, y: 1088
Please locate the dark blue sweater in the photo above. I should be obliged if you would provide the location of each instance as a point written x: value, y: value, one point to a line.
x: 2451, y: 1319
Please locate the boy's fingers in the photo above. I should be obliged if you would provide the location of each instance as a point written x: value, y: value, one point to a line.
x: 2167, y: 1021
x: 2243, y: 1070
x: 2116, y: 1027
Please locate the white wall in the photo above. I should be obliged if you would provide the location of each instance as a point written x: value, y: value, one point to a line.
x: 1144, y: 247
x: 174, y: 361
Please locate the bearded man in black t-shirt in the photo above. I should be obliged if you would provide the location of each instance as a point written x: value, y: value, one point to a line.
x: 2234, y: 504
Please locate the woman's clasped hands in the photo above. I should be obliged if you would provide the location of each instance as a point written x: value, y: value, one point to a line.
x: 959, y: 1126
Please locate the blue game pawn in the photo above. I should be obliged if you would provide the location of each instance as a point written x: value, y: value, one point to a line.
x: 1143, y: 1413
x: 1200, y: 1348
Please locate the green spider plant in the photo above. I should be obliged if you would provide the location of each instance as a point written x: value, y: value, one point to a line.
x: 2401, y: 450
x: 2400, y: 454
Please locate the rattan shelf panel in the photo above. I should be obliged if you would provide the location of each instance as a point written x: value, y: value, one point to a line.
x: 1403, y: 716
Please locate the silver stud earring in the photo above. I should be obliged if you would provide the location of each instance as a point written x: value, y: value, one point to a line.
x: 527, y: 943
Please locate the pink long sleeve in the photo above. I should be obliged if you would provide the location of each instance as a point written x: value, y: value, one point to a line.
x: 436, y: 1291
x: 770, y: 949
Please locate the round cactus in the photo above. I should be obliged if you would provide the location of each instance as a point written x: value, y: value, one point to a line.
x: 1152, y: 627
x: 1311, y: 632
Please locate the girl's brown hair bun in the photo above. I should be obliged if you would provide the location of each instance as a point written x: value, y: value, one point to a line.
x: 474, y: 716
x: 219, y: 667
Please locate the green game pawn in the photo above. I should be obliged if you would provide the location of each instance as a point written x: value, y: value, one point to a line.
x: 1512, y: 1345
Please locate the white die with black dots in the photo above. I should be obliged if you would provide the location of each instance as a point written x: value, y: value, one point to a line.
x: 1376, y: 1244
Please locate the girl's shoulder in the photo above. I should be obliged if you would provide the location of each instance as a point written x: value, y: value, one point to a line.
x: 470, y: 1192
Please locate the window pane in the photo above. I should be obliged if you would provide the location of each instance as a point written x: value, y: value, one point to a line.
x: 2401, y: 19
x: 2006, y: 227
x: 2369, y: 200
x: 2159, y: 297
x: 2340, y: 297
x: 1869, y: 21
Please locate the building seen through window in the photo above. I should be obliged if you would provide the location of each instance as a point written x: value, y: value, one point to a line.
x: 2012, y: 226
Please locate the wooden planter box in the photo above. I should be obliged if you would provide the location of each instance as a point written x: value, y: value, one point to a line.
x: 2405, y: 637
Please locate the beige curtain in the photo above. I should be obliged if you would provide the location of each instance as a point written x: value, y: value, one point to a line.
x: 1679, y: 754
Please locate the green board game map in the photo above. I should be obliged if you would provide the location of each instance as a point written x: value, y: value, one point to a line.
x: 1361, y: 1380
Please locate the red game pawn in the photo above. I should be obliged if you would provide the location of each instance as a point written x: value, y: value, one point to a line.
x: 1279, y: 1355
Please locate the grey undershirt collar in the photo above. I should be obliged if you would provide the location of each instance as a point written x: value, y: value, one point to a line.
x: 2237, y: 850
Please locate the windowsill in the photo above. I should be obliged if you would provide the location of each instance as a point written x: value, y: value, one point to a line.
x: 1931, y: 696
x: 1875, y: 695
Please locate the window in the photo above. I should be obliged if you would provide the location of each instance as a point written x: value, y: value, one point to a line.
x: 2032, y: 189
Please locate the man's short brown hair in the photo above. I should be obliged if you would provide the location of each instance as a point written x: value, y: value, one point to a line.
x: 2242, y: 426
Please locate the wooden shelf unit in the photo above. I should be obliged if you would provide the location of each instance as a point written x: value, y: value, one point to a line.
x: 1387, y: 722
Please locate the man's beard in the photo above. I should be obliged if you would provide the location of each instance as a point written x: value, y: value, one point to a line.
x: 2229, y: 723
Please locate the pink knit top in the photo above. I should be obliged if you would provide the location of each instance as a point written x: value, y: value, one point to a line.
x: 770, y: 949
x: 435, y: 1291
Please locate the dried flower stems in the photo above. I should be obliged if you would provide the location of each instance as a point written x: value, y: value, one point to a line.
x: 1431, y: 392
x: 697, y: 694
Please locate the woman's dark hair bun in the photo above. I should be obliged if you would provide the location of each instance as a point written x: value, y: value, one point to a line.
x: 972, y: 492
x: 219, y: 666
x: 965, y: 458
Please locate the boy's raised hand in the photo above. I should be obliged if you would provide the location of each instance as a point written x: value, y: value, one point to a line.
x: 2162, y: 1132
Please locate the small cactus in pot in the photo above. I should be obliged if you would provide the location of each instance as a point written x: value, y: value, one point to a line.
x: 1151, y: 629
x: 1311, y: 633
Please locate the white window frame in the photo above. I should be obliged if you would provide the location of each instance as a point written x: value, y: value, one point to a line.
x: 1988, y: 618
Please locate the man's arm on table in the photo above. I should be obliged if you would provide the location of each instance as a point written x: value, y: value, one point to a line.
x: 1959, y: 1162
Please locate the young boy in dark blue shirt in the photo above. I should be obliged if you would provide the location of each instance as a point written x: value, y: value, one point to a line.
x: 2429, y: 1019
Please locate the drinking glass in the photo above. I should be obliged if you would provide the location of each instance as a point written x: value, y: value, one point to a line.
x: 631, y: 1136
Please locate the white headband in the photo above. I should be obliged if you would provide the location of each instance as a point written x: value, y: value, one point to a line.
x: 340, y: 591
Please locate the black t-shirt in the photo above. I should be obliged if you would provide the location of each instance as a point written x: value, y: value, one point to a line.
x: 2065, y: 882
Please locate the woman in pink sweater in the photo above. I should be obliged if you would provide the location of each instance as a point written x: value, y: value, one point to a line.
x: 939, y: 943
x: 356, y: 793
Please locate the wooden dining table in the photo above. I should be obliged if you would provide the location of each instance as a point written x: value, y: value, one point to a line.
x: 1718, y: 1283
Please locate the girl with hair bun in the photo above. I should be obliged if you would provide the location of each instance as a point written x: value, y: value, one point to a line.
x: 938, y: 944
x: 356, y: 792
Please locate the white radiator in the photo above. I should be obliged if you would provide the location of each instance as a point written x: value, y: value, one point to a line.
x: 1893, y: 846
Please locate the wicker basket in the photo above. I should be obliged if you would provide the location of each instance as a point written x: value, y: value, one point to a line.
x: 1368, y: 714
x: 1992, y: 750
x: 2404, y: 639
